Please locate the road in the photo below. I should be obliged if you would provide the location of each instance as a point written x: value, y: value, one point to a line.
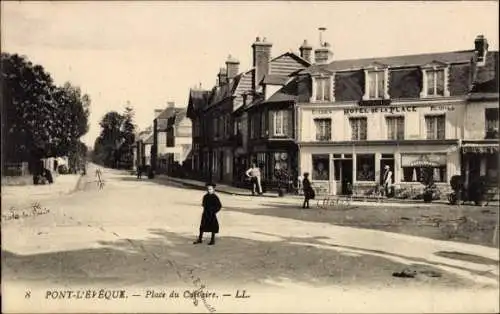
x: 137, y: 235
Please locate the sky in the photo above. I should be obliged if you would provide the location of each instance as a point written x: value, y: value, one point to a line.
x: 149, y: 53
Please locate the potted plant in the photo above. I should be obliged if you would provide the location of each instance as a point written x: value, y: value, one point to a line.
x: 477, y: 190
x: 429, y: 189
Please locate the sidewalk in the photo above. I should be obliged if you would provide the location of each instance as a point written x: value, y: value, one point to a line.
x: 28, y: 194
x: 227, y: 189
x: 221, y: 188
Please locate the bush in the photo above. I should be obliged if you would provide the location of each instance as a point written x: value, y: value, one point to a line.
x: 62, y: 169
x: 478, y: 189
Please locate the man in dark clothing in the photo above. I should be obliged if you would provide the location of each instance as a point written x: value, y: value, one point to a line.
x: 308, y: 190
x: 211, y: 206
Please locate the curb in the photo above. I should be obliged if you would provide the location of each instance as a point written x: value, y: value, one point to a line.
x: 200, y: 187
x: 389, y: 201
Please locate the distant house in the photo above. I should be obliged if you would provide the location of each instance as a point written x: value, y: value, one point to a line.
x: 142, y: 147
x: 172, y: 138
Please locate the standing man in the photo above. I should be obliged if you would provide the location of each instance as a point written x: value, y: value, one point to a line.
x: 387, y: 183
x: 254, y: 174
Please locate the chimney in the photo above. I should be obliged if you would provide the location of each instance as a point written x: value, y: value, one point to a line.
x: 481, y: 48
x: 305, y: 51
x: 261, y: 57
x: 222, y: 77
x: 157, y: 112
x: 170, y: 104
x: 323, y: 55
x: 233, y: 67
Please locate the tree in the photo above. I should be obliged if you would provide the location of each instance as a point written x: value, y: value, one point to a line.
x: 128, y: 134
x: 109, y: 141
x: 40, y: 119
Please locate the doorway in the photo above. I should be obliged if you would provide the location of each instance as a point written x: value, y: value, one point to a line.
x: 343, y: 175
x: 221, y: 166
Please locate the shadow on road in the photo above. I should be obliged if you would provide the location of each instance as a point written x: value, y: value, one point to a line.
x: 419, y: 221
x: 166, y: 258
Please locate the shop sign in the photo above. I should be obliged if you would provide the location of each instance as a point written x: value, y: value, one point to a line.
x: 389, y: 109
x: 442, y: 108
x: 416, y: 160
x: 322, y: 111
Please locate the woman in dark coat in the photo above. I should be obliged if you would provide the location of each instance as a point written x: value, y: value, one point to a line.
x: 211, y: 206
x: 309, y: 193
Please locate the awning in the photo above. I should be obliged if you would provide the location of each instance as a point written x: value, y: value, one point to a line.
x: 475, y: 148
x: 423, y: 160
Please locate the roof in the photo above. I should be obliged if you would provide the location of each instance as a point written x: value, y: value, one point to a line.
x: 220, y: 93
x: 396, y: 61
x: 149, y: 139
x: 486, y: 77
x: 175, y: 119
x: 162, y: 119
x: 274, y: 79
x: 198, y: 99
x: 284, y: 94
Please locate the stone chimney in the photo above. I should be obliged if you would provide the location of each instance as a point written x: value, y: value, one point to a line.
x: 261, y: 57
x: 305, y: 51
x: 222, y: 77
x: 170, y: 104
x: 233, y: 67
x: 323, y: 55
x: 158, y: 112
x: 481, y: 48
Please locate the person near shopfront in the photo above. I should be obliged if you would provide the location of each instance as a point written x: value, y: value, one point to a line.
x: 387, y: 182
x: 309, y: 193
x: 211, y: 206
x: 255, y: 177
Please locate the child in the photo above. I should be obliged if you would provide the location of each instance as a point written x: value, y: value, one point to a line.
x: 211, y: 206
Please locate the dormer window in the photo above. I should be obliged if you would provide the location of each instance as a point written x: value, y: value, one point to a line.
x: 376, y: 78
x: 434, y: 80
x: 435, y: 83
x: 322, y: 87
x: 376, y: 84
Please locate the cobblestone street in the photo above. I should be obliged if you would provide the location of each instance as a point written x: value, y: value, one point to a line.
x: 138, y: 234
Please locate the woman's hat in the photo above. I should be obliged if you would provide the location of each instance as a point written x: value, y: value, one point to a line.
x: 210, y: 184
x: 306, y: 174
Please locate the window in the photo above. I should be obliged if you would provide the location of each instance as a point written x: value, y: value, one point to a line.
x: 215, y: 128
x: 281, y: 120
x: 358, y: 129
x: 376, y: 84
x: 323, y: 88
x: 491, y: 119
x: 365, y: 167
x: 323, y: 129
x: 395, y: 128
x: 435, y: 126
x: 263, y: 128
x: 492, y: 167
x: 418, y: 174
x: 254, y: 126
x: 237, y: 127
x: 435, y: 82
x: 321, y: 167
x: 196, y: 127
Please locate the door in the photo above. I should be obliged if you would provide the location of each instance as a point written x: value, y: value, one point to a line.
x: 221, y: 166
x: 346, y: 175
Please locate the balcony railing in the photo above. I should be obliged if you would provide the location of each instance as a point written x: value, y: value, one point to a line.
x: 323, y: 138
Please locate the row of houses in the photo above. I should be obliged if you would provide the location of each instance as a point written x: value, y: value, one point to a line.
x: 166, y: 144
x: 344, y: 120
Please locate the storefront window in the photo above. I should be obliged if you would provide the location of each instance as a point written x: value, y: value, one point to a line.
x: 321, y: 167
x: 418, y: 174
x: 365, y: 167
x: 492, y: 168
